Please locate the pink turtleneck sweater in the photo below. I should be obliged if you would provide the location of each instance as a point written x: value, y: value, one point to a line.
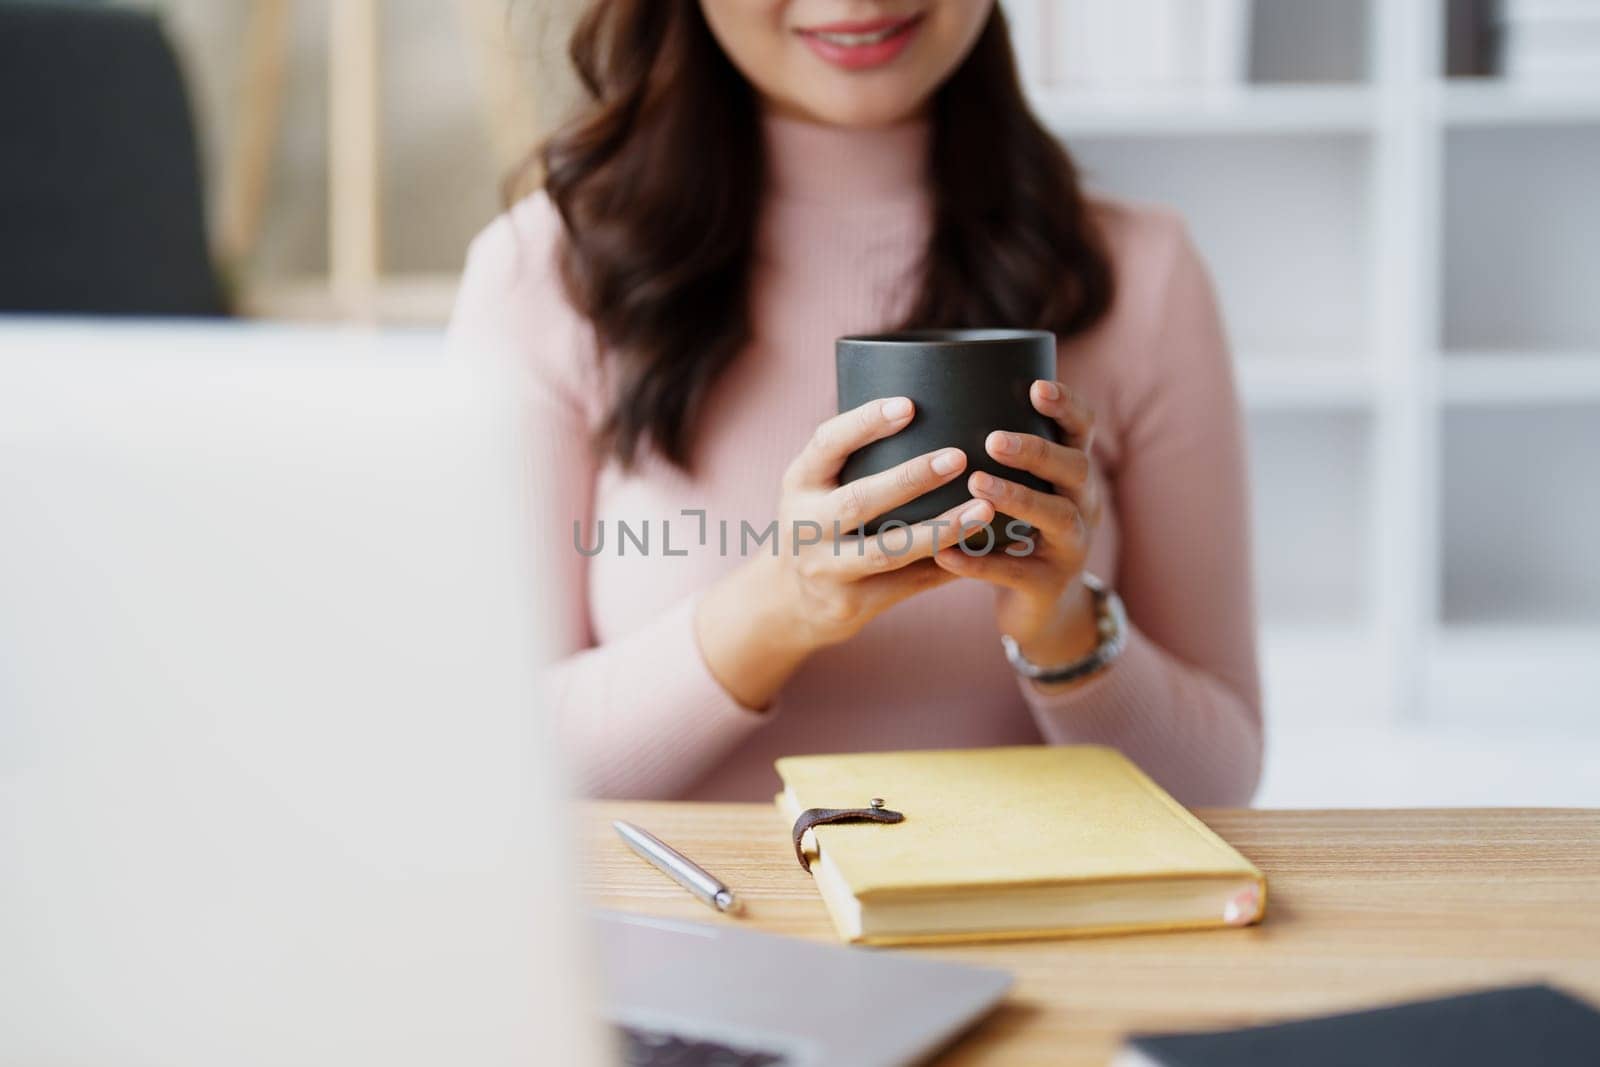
x: 845, y: 221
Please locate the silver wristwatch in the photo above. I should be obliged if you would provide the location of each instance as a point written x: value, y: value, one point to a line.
x: 1111, y: 620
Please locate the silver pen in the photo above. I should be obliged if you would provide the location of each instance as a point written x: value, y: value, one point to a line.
x: 680, y: 868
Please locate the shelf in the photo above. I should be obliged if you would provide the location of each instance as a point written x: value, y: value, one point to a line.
x: 1247, y: 109
x: 1497, y: 102
x: 1521, y: 238
x: 1520, y: 518
x: 1531, y: 674
x: 1320, y: 673
x: 1493, y: 379
x: 1297, y: 383
x: 1493, y: 762
x: 1282, y: 224
x: 1311, y: 484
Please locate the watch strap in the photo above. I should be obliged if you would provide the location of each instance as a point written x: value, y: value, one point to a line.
x: 1111, y: 621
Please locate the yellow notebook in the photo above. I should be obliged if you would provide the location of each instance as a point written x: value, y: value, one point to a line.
x: 1013, y: 842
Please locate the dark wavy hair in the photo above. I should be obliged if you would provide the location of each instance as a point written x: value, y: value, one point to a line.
x: 659, y: 179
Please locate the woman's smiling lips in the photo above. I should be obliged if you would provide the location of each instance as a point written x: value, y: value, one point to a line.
x: 863, y: 44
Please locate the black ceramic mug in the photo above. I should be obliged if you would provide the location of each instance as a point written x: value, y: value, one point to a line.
x: 965, y: 384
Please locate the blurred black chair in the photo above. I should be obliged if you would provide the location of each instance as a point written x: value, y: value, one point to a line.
x: 100, y: 202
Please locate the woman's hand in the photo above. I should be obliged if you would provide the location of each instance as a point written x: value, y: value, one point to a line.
x: 1039, y: 600
x: 825, y: 582
x: 840, y: 582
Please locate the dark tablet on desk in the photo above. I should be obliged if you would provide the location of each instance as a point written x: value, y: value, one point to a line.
x: 1521, y: 1025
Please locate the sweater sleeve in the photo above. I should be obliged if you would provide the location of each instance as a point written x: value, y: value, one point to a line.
x: 1183, y: 700
x: 640, y: 715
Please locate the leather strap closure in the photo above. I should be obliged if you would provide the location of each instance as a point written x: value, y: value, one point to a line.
x: 820, y: 816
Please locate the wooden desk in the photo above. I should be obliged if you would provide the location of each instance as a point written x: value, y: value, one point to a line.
x: 1364, y: 907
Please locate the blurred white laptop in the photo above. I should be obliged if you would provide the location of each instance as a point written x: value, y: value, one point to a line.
x: 269, y: 761
x: 273, y: 787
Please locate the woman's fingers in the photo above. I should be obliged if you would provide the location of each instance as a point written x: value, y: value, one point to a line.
x: 1057, y: 517
x: 1022, y: 573
x: 886, y: 590
x: 854, y: 503
x: 1060, y: 465
x: 817, y: 465
x: 892, y: 549
x: 1066, y: 468
x: 1071, y: 412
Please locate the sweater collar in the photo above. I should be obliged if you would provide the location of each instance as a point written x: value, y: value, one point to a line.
x: 844, y: 165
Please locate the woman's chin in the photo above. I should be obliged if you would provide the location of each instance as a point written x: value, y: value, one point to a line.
x: 853, y: 109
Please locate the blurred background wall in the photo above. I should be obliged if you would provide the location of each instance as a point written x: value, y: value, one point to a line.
x: 441, y: 167
x: 1396, y: 199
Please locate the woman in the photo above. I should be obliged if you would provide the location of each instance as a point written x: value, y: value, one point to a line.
x: 750, y: 181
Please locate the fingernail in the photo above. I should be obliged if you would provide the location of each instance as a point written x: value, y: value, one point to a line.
x: 974, y: 515
x: 898, y: 408
x: 1050, y: 390
x: 982, y: 483
x: 1006, y: 443
x: 947, y: 462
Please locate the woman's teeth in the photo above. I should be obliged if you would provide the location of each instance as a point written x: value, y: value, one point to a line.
x: 856, y: 40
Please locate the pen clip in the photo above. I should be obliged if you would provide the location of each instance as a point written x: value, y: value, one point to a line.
x: 819, y: 816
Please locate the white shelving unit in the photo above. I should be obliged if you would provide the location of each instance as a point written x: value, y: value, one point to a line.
x: 1290, y: 109
x: 1410, y: 268
x: 1469, y: 102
